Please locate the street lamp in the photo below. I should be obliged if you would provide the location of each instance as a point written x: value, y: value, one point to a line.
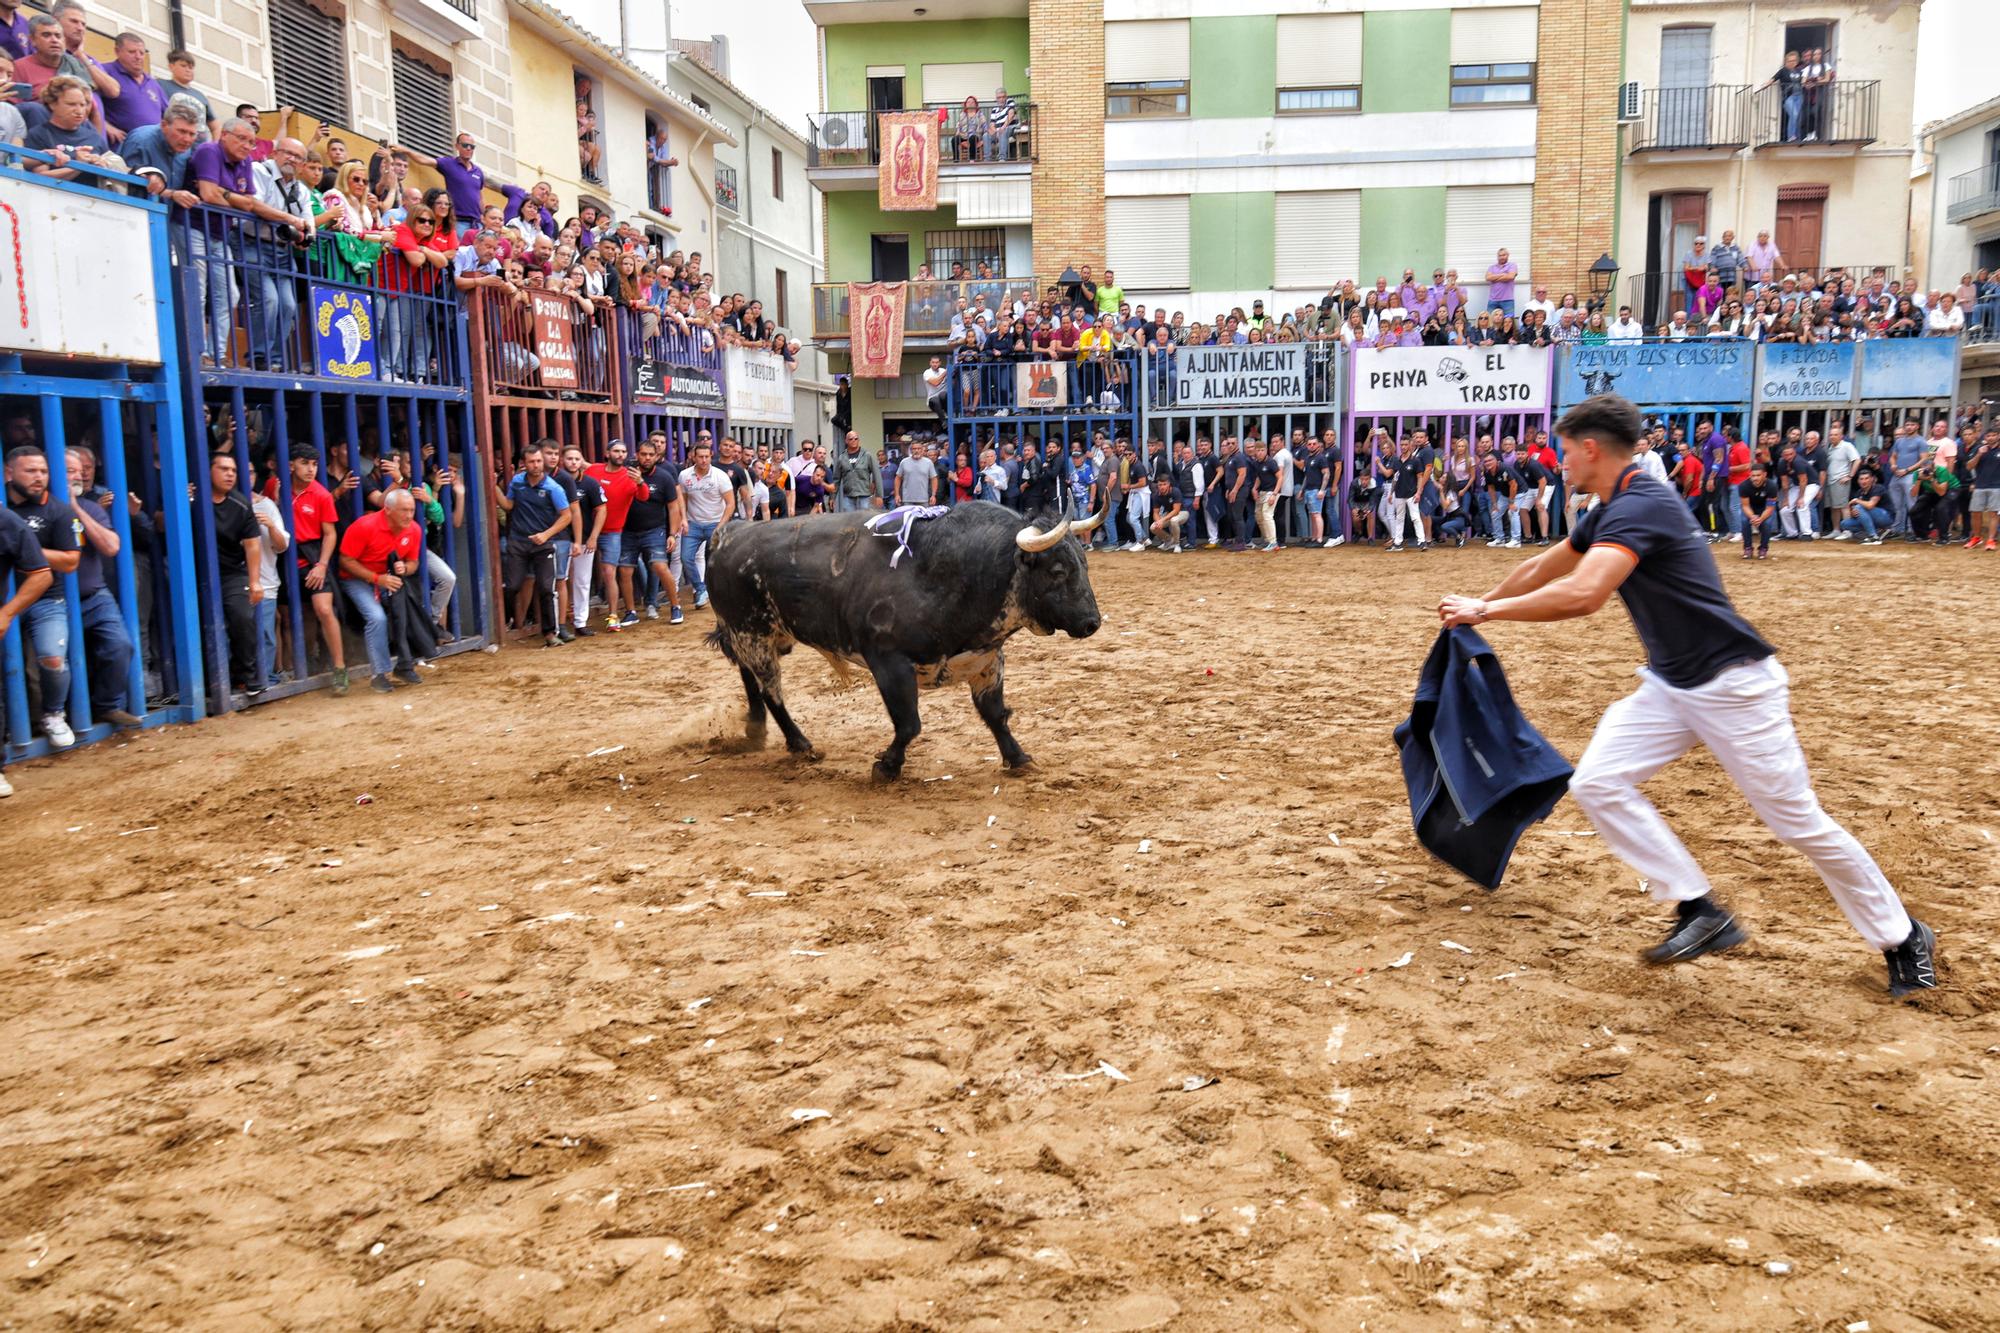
x: 1602, y: 274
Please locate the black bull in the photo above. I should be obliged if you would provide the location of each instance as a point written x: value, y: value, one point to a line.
x: 941, y: 616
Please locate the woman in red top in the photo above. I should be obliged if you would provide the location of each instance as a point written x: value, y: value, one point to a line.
x: 961, y: 477
x: 419, y: 253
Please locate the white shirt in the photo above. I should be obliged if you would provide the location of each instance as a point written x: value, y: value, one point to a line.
x: 1941, y: 320
x: 1284, y: 460
x: 706, y: 497
x: 1546, y: 307
x: 1650, y: 464
x: 1678, y: 331
x: 1627, y: 330
x: 934, y: 378
x: 268, y: 543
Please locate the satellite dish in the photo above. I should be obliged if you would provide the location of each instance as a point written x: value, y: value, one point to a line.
x: 834, y: 132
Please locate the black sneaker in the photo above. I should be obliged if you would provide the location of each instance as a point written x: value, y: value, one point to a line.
x: 566, y: 634
x: 585, y: 632
x: 1701, y: 926
x: 408, y: 675
x: 1913, y: 963
x: 382, y: 685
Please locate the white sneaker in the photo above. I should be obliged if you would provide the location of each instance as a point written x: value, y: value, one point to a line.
x: 1332, y: 542
x: 1395, y: 546
x: 6, y: 787
x: 1514, y: 544
x: 56, y: 727
x: 1843, y: 535
x: 652, y: 613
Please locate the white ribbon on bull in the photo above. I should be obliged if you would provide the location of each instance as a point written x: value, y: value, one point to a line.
x: 898, y: 522
x: 1032, y: 538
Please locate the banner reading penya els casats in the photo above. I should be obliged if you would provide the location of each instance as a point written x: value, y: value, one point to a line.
x: 1423, y: 380
x: 1692, y: 372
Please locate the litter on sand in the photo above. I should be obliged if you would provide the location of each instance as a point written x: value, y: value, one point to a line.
x: 1145, y: 844
x: 1196, y: 1082
x: 811, y: 1113
x: 696, y: 1004
x: 942, y: 777
x: 1104, y: 1067
x: 150, y: 827
x: 1404, y: 961
x: 991, y: 820
x: 1333, y: 838
x: 601, y: 751
x: 808, y: 953
x: 1453, y: 945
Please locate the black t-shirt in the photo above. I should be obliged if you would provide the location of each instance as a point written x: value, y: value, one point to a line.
x: 649, y: 510
x: 1233, y: 468
x: 234, y: 525
x: 1533, y: 475
x: 1264, y: 475
x: 589, y: 497
x: 22, y: 541
x: 1986, y: 469
x: 1789, y: 81
x: 1504, y: 480
x: 1410, y: 473
x: 90, y: 565
x: 1318, y: 467
x: 1690, y: 630
x: 739, y: 477
x: 1812, y: 465
x: 1759, y: 497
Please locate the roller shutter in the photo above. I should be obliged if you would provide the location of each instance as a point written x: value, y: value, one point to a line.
x: 1492, y: 36
x: 1146, y: 241
x: 1319, y: 50
x: 1319, y: 237
x: 424, y: 114
x: 950, y: 85
x: 309, y: 59
x: 1146, y: 51
x: 1481, y: 219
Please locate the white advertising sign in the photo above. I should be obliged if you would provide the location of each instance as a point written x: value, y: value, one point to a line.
x: 1418, y: 380
x: 76, y: 275
x: 1249, y: 375
x: 759, y: 386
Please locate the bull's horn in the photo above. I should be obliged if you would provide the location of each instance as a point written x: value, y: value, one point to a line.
x: 1032, y: 538
x: 1091, y: 524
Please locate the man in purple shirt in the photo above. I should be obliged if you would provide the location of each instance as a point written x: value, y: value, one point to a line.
x: 1500, y: 284
x: 463, y: 178
x: 140, y: 98
x: 219, y: 172
x: 14, y: 30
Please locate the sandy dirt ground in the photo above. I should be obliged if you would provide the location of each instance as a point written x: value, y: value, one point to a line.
x: 675, y: 1036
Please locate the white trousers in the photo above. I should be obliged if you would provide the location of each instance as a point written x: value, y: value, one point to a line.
x: 1795, y: 514
x: 580, y: 562
x: 1744, y: 717
x: 1138, y: 508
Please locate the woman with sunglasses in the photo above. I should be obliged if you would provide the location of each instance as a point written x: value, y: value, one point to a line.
x: 418, y: 255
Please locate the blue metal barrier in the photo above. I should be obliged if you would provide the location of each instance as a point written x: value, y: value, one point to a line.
x: 119, y: 423
x: 673, y: 383
x: 1032, y: 402
x: 378, y: 366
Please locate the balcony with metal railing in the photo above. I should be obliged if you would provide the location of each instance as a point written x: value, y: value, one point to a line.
x: 1713, y: 116
x: 930, y: 305
x: 725, y: 188
x: 1973, y: 194
x: 838, y: 141
x: 1842, y: 114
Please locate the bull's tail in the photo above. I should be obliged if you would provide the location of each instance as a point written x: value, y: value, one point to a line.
x: 723, y: 642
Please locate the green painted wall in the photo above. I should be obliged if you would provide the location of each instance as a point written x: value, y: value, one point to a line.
x: 1233, y: 66
x: 1232, y: 241
x: 1406, y: 60
x: 852, y: 47
x: 852, y: 218
x: 1401, y: 229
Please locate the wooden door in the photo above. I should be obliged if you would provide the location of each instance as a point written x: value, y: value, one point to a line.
x: 1797, y: 228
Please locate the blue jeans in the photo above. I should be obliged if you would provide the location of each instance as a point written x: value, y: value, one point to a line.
x: 1504, y: 307
x: 374, y: 623
x: 1761, y: 530
x: 1795, y: 106
x: 276, y: 315
x: 1522, y: 503
x: 110, y: 649
x: 697, y: 536
x: 1866, y: 523
x: 215, y: 281
x: 267, y: 638
x: 848, y: 504
x: 1111, y: 529
x: 45, y: 624
x: 1480, y: 510
x: 994, y: 144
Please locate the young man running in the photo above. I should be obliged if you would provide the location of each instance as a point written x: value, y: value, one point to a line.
x: 1710, y: 680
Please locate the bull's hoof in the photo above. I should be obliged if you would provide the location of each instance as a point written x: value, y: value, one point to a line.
x: 802, y: 750
x: 885, y: 772
x: 1019, y: 764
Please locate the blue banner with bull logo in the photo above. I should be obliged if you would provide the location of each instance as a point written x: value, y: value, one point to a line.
x: 343, y: 325
x: 1902, y: 368
x: 1660, y: 373
x: 1806, y: 372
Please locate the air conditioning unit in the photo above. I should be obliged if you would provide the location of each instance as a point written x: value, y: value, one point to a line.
x: 1628, y: 103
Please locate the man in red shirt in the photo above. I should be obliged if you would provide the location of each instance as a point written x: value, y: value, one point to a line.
x: 622, y: 485
x: 315, y: 527
x: 379, y: 551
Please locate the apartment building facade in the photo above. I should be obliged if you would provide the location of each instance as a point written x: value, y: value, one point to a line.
x: 1717, y: 142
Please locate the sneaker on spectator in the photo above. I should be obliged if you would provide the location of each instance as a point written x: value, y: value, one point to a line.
x: 700, y: 600
x: 675, y: 616
x: 585, y: 632
x: 1395, y: 546
x: 408, y: 675
x: 652, y: 613
x: 340, y: 682
x: 612, y: 623
x: 56, y: 727
x: 1332, y: 542
x: 565, y: 633
x: 382, y: 684
x: 6, y: 787
x: 1842, y: 535
x: 630, y: 618
x: 1513, y: 544
x: 1972, y: 543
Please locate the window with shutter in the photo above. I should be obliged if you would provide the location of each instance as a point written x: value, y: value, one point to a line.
x: 424, y: 116
x: 1481, y: 220
x: 1319, y: 63
x: 309, y: 58
x: 1319, y: 237
x: 1145, y: 69
x: 1493, y: 56
x: 1146, y: 242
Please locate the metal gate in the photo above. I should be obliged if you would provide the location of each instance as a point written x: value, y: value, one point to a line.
x: 97, y: 386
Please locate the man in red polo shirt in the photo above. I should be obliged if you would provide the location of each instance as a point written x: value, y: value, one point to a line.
x: 379, y: 551
x: 315, y: 527
x: 622, y: 485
